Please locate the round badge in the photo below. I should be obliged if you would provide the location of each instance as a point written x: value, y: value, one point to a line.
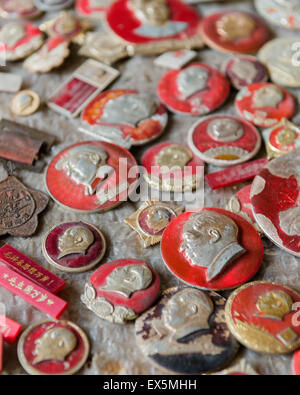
x: 224, y: 140
x: 264, y: 104
x: 125, y: 117
x: 296, y: 363
x: 19, y: 40
x: 234, y: 32
x: 240, y: 204
x: 53, y: 348
x: 74, y: 246
x: 186, y: 332
x: 285, y: 13
x: 25, y: 103
x: 260, y: 316
x: 281, y: 58
x: 121, y: 290
x: 91, y: 176
x: 172, y: 167
x: 275, y: 197
x: 212, y: 249
x: 194, y: 90
x: 53, y: 5
x: 246, y: 70
x: 93, y: 8
x: 144, y: 22
x: 14, y: 9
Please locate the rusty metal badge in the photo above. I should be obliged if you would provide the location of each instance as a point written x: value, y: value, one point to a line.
x: 261, y: 317
x: 53, y: 348
x: 19, y: 208
x: 121, y: 290
x: 186, y: 332
x: 285, y: 13
x: 15, y: 9
x: 25, y: 103
x: 151, y: 219
x: 281, y: 139
x: 275, y: 199
x: 53, y: 5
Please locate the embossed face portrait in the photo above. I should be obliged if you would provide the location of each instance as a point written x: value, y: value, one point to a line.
x: 82, y: 164
x: 192, y: 80
x: 152, y: 12
x: 75, y: 240
x: 269, y: 95
x: 128, y: 279
x: 158, y: 218
x: 235, y: 26
x: 12, y: 33
x: 174, y: 156
x: 210, y: 240
x: 225, y: 130
x: 56, y: 344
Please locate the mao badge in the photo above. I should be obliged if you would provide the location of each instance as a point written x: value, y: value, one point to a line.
x: 186, y: 332
x: 261, y: 316
x: 14, y: 9
x: 74, y: 246
x: 121, y: 290
x: 53, y: 348
x: 93, y: 8
x: 151, y: 220
x: 212, y: 249
x: 19, y: 208
x: 285, y: 13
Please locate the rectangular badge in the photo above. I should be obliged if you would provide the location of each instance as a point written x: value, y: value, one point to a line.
x: 32, y: 293
x: 9, y: 329
x: 28, y: 268
x: 81, y: 87
x: 236, y: 174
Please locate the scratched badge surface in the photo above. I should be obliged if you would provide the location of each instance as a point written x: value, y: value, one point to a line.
x: 234, y: 32
x: 19, y: 40
x: 74, y: 247
x: 275, y: 199
x: 91, y: 176
x: 261, y: 316
x: 155, y: 26
x: 197, y: 89
x: 246, y: 70
x: 15, y: 9
x: 186, y: 332
x: 92, y: 8
x: 124, y: 117
x: 53, y: 348
x: 19, y: 208
x: 224, y: 140
x: 119, y: 291
x: 212, y: 249
x: 264, y: 104
x: 172, y: 167
x: 284, y: 13
x: 151, y: 219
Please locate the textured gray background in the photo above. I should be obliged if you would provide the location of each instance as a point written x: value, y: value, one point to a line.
x: 113, y: 348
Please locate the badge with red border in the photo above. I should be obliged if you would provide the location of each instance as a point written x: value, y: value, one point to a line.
x: 91, y: 176
x: 264, y: 104
x: 224, y: 140
x: 212, y: 249
x: 234, y: 32
x: 197, y: 89
x: 275, y: 197
x: 92, y: 8
x: 121, y: 290
x: 296, y: 363
x: 14, y: 9
x: 261, y: 317
x: 53, y: 348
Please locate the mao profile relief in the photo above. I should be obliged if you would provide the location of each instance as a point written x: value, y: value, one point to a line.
x: 186, y: 332
x: 75, y: 240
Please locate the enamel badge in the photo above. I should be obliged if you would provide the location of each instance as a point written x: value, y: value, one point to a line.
x: 92, y: 8
x: 15, y: 9
x: 285, y: 13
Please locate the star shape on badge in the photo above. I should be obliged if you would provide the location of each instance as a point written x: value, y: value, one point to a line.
x: 19, y: 208
x: 151, y: 219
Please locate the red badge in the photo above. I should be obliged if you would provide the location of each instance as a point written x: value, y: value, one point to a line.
x: 124, y: 117
x: 53, y: 348
x: 92, y: 8
x: 9, y: 329
x: 28, y: 268
x: 121, y: 290
x: 236, y: 174
x: 234, y: 32
x: 224, y: 140
x: 296, y: 363
x: 1, y: 352
x: 91, y: 176
x: 265, y: 104
x: 196, y: 89
x: 275, y: 199
x: 74, y: 246
x: 140, y: 23
x: 212, y: 249
x: 172, y: 167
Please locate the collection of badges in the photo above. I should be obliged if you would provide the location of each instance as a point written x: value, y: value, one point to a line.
x: 192, y: 329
